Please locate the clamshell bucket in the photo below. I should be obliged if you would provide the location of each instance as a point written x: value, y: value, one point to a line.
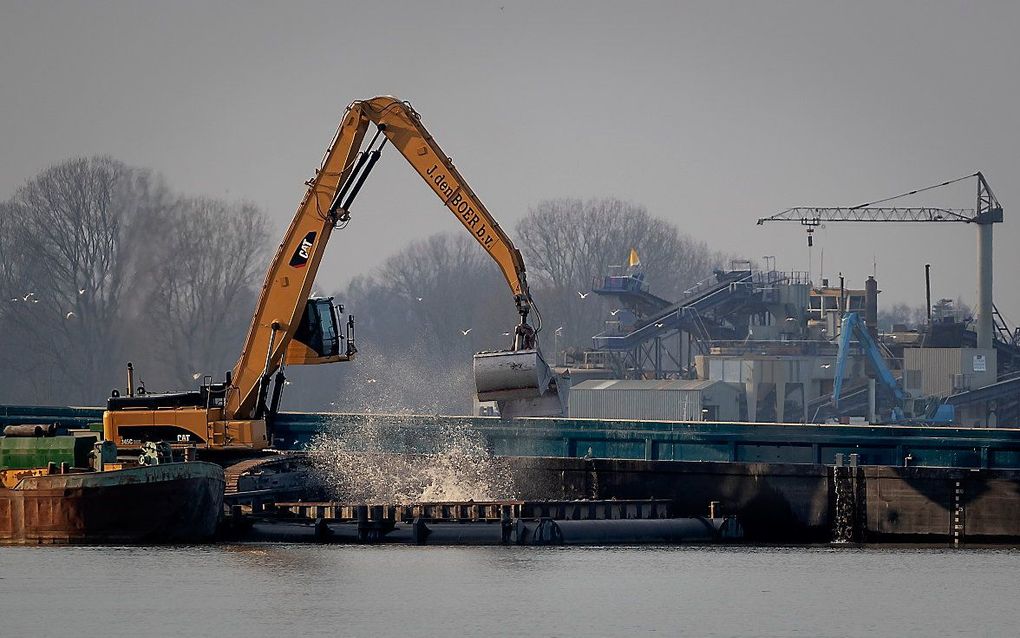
x: 511, y: 374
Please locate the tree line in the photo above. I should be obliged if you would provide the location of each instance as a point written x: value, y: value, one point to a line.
x: 102, y: 263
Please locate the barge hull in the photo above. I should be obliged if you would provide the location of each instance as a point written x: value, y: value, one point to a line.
x: 169, y: 503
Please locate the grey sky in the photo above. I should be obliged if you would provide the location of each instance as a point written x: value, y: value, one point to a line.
x: 710, y: 114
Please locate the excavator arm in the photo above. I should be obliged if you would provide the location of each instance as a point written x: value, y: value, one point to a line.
x: 288, y: 327
x: 284, y: 304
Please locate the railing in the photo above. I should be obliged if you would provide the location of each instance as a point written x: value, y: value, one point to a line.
x: 700, y: 287
x: 623, y: 283
x: 775, y: 277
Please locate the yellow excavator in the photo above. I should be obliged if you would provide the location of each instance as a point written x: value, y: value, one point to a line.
x: 289, y: 328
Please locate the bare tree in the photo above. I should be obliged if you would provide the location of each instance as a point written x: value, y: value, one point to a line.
x: 21, y: 369
x: 74, y: 237
x: 100, y: 263
x: 901, y: 314
x: 211, y: 259
x: 449, y: 285
x: 567, y: 243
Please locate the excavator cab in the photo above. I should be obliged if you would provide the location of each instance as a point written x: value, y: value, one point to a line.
x: 319, y: 338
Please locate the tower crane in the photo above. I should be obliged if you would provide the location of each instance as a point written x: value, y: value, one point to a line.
x: 985, y: 214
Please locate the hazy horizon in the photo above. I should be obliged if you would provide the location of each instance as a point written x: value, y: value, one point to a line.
x: 711, y: 115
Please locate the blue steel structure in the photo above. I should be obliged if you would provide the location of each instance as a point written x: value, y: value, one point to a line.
x: 631, y: 290
x: 852, y: 326
x: 650, y: 342
x: 683, y: 314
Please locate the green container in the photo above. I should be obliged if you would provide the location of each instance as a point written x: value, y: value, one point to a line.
x: 22, y: 453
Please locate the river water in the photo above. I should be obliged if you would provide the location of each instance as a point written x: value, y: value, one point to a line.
x: 312, y: 590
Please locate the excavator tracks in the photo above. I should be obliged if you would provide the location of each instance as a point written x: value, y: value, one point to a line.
x: 277, y: 471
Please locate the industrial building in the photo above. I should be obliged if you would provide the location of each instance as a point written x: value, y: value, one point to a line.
x: 665, y: 400
x: 770, y: 346
x: 760, y: 346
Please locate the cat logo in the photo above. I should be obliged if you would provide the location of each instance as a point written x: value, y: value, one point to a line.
x: 301, y: 255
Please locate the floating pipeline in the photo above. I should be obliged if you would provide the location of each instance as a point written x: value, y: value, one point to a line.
x: 486, y: 523
x: 677, y: 531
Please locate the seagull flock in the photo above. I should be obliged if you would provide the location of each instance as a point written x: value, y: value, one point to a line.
x: 32, y: 298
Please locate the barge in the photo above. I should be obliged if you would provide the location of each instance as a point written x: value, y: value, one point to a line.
x: 72, y: 490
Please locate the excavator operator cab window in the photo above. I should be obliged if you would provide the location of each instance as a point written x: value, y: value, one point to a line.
x: 330, y: 332
x: 318, y: 329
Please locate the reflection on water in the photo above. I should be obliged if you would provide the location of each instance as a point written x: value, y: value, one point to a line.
x: 299, y: 590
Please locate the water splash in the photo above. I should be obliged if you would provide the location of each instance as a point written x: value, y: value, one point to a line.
x: 381, y: 459
x: 377, y: 461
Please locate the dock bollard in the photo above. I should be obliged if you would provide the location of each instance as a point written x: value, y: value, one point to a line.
x: 420, y: 531
x: 362, y: 511
x: 322, y: 530
x: 506, y: 526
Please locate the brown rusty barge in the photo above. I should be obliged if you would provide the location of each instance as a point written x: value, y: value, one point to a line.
x: 83, y: 495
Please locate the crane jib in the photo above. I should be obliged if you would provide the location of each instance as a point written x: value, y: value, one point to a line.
x: 461, y: 207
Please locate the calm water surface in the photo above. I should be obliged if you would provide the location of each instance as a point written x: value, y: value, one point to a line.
x: 309, y: 590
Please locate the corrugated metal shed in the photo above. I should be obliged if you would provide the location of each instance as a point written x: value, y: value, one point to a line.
x: 666, y: 400
x: 945, y: 371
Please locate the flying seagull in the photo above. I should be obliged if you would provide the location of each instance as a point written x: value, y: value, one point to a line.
x: 81, y: 291
x: 196, y: 375
x: 615, y: 312
x: 583, y: 295
x: 464, y: 332
x: 69, y: 315
x: 418, y: 298
x: 371, y: 381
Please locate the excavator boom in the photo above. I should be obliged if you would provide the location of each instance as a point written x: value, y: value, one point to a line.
x: 325, y: 205
x: 289, y: 327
